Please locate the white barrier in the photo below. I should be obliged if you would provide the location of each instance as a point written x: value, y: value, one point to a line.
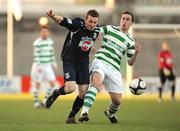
x: 14, y: 85
x: 10, y: 85
x: 154, y: 82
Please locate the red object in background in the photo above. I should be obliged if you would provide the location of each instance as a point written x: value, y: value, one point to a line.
x: 26, y: 83
x: 60, y: 80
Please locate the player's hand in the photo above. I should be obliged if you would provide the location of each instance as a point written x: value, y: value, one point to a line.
x: 100, y: 36
x: 50, y: 13
x: 93, y: 50
x: 56, y: 18
x: 137, y: 47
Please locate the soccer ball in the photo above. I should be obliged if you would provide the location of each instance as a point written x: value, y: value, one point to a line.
x: 137, y: 86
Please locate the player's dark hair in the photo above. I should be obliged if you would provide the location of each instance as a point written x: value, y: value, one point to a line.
x: 92, y: 13
x: 43, y: 27
x: 129, y: 13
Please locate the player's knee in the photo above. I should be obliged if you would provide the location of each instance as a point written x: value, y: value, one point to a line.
x: 52, y: 83
x: 82, y: 94
x: 96, y: 80
x: 70, y: 88
x: 116, y: 102
x: 97, y: 84
x: 37, y: 85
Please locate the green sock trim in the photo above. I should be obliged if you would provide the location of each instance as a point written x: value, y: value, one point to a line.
x: 87, y: 104
x: 88, y: 97
x: 91, y: 92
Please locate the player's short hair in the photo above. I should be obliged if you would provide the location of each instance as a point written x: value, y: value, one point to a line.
x: 92, y: 13
x: 43, y: 27
x: 129, y: 13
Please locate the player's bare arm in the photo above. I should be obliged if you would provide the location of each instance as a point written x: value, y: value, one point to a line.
x: 133, y: 58
x: 56, y: 18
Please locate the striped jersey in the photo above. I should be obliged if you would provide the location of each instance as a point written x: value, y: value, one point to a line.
x: 43, y: 51
x: 115, y: 45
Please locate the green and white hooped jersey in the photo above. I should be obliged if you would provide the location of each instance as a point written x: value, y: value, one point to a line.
x: 114, y: 46
x: 43, y: 51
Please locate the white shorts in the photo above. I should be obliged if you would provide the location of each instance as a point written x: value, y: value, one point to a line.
x: 42, y: 72
x: 111, y: 77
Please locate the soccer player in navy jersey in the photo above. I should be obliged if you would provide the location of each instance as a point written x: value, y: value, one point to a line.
x: 75, y: 56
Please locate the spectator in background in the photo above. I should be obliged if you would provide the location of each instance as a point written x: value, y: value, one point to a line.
x: 166, y: 69
x: 42, y: 68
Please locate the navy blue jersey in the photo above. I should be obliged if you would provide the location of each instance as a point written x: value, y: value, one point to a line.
x: 78, y: 42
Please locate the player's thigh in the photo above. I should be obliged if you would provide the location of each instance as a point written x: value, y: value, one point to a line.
x: 82, y: 76
x: 172, y: 76
x: 112, y: 86
x: 114, y: 82
x: 37, y: 73
x: 98, y: 74
x: 162, y: 77
x: 70, y: 84
x: 69, y: 72
x: 49, y: 73
x: 97, y: 80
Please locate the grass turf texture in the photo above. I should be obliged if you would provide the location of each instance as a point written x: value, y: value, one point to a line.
x: 134, y: 115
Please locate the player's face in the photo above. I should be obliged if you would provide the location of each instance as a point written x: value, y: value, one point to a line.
x: 91, y: 22
x: 165, y: 46
x: 125, y: 22
x: 44, y: 33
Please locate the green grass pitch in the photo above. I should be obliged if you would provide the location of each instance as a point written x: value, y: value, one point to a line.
x: 134, y: 115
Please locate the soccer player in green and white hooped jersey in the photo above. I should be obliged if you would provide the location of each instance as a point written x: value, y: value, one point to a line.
x: 42, y: 68
x: 105, y: 67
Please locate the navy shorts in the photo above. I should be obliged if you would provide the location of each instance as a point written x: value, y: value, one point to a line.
x: 76, y: 72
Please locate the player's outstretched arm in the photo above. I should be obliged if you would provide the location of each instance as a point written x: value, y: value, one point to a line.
x: 72, y: 25
x: 56, y: 18
x: 132, y: 60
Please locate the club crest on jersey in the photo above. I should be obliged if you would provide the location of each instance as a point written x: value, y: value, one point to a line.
x: 86, y: 43
x: 67, y: 75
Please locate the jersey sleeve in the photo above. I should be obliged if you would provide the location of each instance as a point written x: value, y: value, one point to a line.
x: 96, y: 33
x: 72, y: 24
x: 105, y: 29
x: 130, y: 51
